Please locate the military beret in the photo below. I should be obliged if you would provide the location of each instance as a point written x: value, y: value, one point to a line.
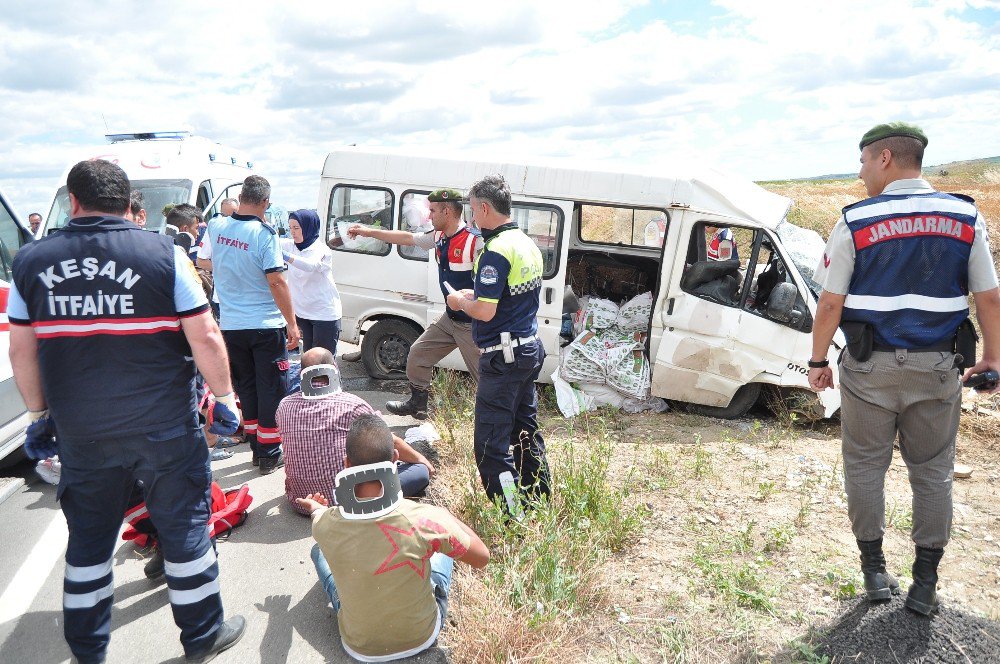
x: 878, y: 132
x: 445, y: 196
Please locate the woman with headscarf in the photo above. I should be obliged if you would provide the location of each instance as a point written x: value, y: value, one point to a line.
x: 310, y: 279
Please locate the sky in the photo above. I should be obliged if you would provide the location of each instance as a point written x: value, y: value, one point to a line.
x: 764, y: 90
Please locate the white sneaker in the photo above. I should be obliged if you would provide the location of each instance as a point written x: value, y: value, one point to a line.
x: 49, y: 470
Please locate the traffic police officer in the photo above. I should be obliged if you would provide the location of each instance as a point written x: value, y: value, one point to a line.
x: 503, y: 305
x: 455, y: 247
x: 105, y: 319
x: 255, y: 307
x: 897, y: 272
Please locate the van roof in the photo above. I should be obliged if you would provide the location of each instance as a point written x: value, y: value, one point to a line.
x: 708, y: 190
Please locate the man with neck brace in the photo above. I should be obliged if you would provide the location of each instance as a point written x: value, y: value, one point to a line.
x: 391, y: 558
x: 314, y: 424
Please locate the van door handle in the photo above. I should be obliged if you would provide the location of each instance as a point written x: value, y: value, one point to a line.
x: 670, y: 307
x: 549, y: 291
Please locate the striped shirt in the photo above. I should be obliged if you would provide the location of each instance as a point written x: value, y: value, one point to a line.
x: 314, y: 437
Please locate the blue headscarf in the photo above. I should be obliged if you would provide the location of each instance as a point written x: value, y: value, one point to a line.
x: 309, y: 221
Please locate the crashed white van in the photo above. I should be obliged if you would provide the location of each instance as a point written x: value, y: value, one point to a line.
x: 168, y: 167
x: 719, y: 331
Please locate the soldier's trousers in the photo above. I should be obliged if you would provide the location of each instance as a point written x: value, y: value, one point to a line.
x: 97, y: 479
x: 917, y: 397
x: 442, y: 337
x: 506, y: 431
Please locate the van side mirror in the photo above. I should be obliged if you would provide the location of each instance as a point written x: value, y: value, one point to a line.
x: 781, y: 304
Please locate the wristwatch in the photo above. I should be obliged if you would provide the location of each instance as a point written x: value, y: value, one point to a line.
x: 819, y: 364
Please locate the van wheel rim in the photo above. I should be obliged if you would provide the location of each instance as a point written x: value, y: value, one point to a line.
x: 391, y: 352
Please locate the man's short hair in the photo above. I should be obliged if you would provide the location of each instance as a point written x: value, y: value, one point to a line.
x: 369, y: 441
x: 99, y: 186
x: 184, y: 215
x: 35, y: 214
x: 494, y: 190
x: 908, y: 152
x: 317, y: 355
x: 255, y: 190
x: 136, y: 202
x: 231, y: 201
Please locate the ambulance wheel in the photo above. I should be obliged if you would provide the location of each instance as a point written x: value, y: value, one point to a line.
x: 386, y: 346
x: 742, y: 401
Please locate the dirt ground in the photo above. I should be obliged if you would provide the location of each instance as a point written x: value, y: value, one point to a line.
x: 747, y: 547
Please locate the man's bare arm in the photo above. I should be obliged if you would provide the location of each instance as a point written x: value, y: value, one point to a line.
x: 24, y: 360
x: 283, y: 298
x: 392, y: 237
x: 988, y: 315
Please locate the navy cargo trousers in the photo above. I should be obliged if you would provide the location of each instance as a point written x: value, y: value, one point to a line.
x: 258, y: 362
x: 97, y: 479
x: 506, y: 433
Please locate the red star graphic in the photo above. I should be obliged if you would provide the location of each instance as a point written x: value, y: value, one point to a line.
x: 826, y: 261
x: 387, y: 564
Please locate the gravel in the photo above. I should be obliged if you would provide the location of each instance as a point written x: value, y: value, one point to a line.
x: 888, y: 632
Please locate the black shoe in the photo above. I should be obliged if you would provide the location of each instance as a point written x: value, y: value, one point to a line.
x: 416, y: 405
x: 879, y: 584
x: 225, y: 637
x: 270, y: 464
x: 154, y: 568
x: 256, y: 460
x: 922, y: 596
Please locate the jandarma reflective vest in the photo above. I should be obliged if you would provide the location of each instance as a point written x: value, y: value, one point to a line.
x: 455, y: 256
x: 100, y: 296
x: 911, y: 266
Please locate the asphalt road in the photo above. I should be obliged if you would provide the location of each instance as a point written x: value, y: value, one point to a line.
x: 265, y: 573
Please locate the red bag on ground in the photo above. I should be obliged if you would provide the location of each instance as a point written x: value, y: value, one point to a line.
x: 229, y: 510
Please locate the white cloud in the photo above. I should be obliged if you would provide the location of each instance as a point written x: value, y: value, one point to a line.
x: 767, y: 89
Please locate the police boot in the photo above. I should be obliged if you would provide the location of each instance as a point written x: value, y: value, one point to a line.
x: 416, y: 405
x: 226, y: 636
x: 270, y: 464
x: 922, y: 596
x: 154, y: 568
x: 879, y: 584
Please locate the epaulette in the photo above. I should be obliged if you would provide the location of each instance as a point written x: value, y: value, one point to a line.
x: 964, y: 197
x: 268, y: 226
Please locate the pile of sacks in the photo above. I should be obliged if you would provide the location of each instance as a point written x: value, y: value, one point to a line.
x: 607, y: 358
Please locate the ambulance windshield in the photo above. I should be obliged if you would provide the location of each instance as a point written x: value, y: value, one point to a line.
x: 155, y: 193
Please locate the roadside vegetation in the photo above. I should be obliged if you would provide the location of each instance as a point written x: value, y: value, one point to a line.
x: 679, y: 538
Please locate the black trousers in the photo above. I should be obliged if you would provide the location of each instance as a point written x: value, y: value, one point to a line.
x: 258, y: 362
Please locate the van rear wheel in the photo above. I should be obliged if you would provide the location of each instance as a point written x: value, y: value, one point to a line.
x: 741, y: 403
x: 386, y: 346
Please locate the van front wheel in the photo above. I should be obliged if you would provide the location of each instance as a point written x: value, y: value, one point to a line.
x: 742, y: 401
x: 386, y: 346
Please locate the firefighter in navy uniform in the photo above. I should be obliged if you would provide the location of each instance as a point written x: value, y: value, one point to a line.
x: 503, y: 305
x: 896, y: 276
x: 105, y: 320
x: 455, y: 248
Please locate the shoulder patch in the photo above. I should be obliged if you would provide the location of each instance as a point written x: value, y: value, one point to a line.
x: 269, y: 227
x: 488, y: 275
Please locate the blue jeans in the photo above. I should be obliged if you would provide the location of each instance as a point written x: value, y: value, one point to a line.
x: 322, y: 333
x: 441, y: 566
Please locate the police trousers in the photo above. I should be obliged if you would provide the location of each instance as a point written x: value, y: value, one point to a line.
x: 506, y: 430
x: 258, y: 362
x: 94, y: 488
x: 917, y: 397
x: 442, y: 337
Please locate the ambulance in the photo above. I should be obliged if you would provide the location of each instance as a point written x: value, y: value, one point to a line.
x: 13, y: 414
x: 719, y: 333
x: 168, y: 167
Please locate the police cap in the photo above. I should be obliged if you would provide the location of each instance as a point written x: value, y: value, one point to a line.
x: 890, y: 129
x: 445, y: 196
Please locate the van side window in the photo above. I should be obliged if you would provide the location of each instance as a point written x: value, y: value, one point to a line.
x: 414, y: 217
x: 713, y: 269
x: 772, y: 292
x: 349, y: 205
x: 543, y: 224
x: 636, y: 227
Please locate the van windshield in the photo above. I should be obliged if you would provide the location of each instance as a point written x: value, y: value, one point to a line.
x: 155, y: 193
x: 805, y: 248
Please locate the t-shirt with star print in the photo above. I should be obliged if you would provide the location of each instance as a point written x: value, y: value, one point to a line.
x: 381, y: 568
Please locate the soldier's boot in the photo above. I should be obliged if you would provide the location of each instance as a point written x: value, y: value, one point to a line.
x: 416, y: 405
x: 879, y: 584
x: 922, y: 596
x: 154, y: 567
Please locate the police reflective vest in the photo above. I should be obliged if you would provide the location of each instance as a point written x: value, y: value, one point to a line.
x: 455, y: 256
x: 517, y: 297
x: 100, y: 296
x: 723, y: 235
x: 910, y: 278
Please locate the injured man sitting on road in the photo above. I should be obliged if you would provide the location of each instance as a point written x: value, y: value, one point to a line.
x: 314, y: 424
x: 385, y: 562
